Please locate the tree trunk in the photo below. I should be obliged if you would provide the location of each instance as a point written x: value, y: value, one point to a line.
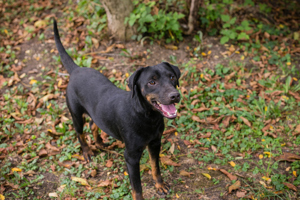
x: 194, y: 6
x: 117, y: 11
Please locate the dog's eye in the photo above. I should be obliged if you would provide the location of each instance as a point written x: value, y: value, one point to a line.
x: 172, y: 77
x: 152, y: 82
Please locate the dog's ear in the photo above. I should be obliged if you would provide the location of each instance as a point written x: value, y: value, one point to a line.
x: 133, y: 80
x: 176, y: 70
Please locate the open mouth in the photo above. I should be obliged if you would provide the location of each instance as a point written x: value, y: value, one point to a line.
x: 169, y: 111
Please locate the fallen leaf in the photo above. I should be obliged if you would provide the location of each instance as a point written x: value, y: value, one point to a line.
x: 30, y: 173
x: 109, y: 163
x: 295, y: 95
x: 241, y: 194
x: 40, y: 23
x: 246, y: 121
x: 68, y: 164
x: 230, y: 176
x: 105, y: 183
x: 53, y: 194
x: 172, y: 148
x: 263, y: 184
x: 234, y: 186
x: 48, y: 97
x: 225, y: 121
x: 297, y: 130
x: 167, y: 161
x: 79, y: 157
x: 207, y: 135
x: 290, y: 186
x: 232, y: 163
x: 172, y: 47
x: 51, y: 147
x: 52, y: 167
x: 43, y: 152
x: 2, y: 80
x: 185, y: 173
x: 197, y: 119
x: 15, y: 169
x: 94, y: 173
x: 214, y: 148
x: 290, y: 157
x: 206, y: 175
x: 80, y: 180
x: 295, y: 173
x: 118, y: 143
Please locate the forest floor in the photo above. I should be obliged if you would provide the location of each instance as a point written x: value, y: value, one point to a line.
x: 237, y: 133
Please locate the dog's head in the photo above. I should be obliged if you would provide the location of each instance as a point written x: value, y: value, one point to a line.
x: 157, y: 85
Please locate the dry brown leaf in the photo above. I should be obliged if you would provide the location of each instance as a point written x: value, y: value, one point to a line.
x: 197, y: 119
x: 30, y: 173
x: 241, y: 194
x: 172, y: 148
x: 94, y: 173
x: 109, y: 163
x: 105, y: 183
x: 290, y: 157
x: 2, y: 80
x: 230, y: 176
x: 51, y: 147
x: 48, y: 97
x: 297, y: 130
x: 194, y: 102
x: 200, y: 109
x: 43, y: 152
x: 118, y: 143
x: 290, y: 186
x: 172, y: 130
x: 230, y: 76
x: 213, y: 148
x: 226, y: 121
x: 185, y: 173
x: 234, y: 186
x: 207, y: 135
x: 167, y: 161
x: 67, y: 164
x: 267, y: 127
x: 295, y: 95
x: 246, y: 121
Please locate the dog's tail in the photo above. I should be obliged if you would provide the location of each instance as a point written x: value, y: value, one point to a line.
x: 65, y: 58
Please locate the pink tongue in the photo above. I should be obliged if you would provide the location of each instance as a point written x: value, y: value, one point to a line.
x: 168, y: 108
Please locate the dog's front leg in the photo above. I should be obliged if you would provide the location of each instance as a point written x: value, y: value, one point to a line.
x: 154, y: 149
x: 132, y: 159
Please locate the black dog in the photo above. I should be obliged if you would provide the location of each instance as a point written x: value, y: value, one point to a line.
x: 134, y: 117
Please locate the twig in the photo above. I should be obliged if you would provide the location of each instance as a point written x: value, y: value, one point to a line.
x: 62, y: 74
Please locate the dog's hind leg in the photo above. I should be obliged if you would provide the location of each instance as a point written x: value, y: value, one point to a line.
x: 154, y: 149
x: 98, y: 140
x: 78, y: 122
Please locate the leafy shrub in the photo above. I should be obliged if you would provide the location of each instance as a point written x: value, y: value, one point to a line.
x: 160, y: 25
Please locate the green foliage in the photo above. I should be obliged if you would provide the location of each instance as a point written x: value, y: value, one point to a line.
x: 161, y: 26
x: 92, y: 10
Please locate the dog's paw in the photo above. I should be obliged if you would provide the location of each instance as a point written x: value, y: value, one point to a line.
x: 162, y: 188
x: 87, y: 154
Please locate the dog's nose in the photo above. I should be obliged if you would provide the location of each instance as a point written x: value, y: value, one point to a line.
x: 174, y: 96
